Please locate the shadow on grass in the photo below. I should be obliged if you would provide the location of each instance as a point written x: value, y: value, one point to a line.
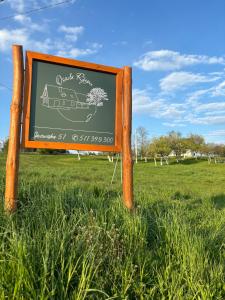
x: 153, y: 214
x: 190, y: 161
x: 218, y: 201
x: 181, y: 196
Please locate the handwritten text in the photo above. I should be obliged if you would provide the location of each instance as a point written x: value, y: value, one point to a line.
x: 80, y: 77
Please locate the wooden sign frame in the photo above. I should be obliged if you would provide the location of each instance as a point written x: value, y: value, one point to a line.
x: 27, y: 143
x: 122, y: 131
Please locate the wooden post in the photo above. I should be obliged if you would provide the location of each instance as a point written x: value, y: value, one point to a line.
x: 12, y: 164
x: 127, y: 153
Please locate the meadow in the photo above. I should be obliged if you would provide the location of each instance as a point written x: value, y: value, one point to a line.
x: 71, y: 237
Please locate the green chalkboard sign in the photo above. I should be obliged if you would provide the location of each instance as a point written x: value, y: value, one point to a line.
x: 71, y: 104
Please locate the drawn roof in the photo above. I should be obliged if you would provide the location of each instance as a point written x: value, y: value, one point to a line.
x: 58, y: 92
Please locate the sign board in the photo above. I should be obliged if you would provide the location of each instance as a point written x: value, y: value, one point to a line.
x: 71, y: 104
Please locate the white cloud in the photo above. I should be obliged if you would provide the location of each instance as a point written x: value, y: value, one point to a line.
x: 20, y: 6
x: 158, y: 108
x: 95, y: 45
x: 181, y: 80
x: 217, y: 73
x: 28, y: 39
x: 214, y: 112
x: 120, y: 43
x: 22, y: 19
x: 208, y: 120
x: 213, y: 106
x: 173, y: 125
x: 71, y: 33
x: 177, y: 115
x: 29, y: 25
x: 220, y: 132
x: 193, y: 97
x: 219, y: 90
x: 167, y: 60
x: 197, y: 109
x: 172, y: 112
x: 43, y: 46
x: 22, y: 37
x: 147, y: 43
x: 76, y: 52
x: 142, y: 103
x: 14, y: 36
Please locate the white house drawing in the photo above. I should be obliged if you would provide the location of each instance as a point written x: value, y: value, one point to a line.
x: 57, y: 97
x: 66, y: 101
x: 63, y: 98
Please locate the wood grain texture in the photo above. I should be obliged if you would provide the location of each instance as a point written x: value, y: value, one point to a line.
x: 127, y: 129
x: 12, y: 164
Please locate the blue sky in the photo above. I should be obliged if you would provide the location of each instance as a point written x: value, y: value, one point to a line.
x: 176, y: 49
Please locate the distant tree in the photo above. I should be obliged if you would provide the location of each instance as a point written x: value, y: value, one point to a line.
x: 160, y: 147
x: 164, y: 148
x: 152, y: 150
x: 134, y: 146
x: 196, y: 143
x: 28, y: 150
x: 51, y: 151
x: 208, y: 151
x: 177, y: 144
x: 219, y: 151
x: 6, y: 145
x: 142, y: 142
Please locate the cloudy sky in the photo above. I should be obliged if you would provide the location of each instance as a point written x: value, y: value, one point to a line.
x: 176, y: 49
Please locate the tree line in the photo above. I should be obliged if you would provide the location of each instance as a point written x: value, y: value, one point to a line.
x: 40, y: 151
x: 159, y: 148
x: 174, y: 145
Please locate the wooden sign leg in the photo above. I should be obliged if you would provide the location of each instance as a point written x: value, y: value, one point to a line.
x: 12, y: 164
x: 127, y: 153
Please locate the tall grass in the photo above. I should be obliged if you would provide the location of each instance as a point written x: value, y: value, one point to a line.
x: 71, y: 237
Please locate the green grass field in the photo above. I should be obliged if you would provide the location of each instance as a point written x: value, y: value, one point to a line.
x: 71, y: 237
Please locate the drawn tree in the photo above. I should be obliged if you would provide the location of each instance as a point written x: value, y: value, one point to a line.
x: 96, y: 96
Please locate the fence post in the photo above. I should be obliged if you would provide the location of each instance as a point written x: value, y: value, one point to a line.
x: 127, y: 152
x: 12, y: 163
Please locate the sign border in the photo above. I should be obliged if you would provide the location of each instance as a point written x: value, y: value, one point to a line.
x: 27, y: 143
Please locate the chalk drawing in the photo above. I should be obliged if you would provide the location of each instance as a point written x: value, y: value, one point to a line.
x: 64, y: 100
